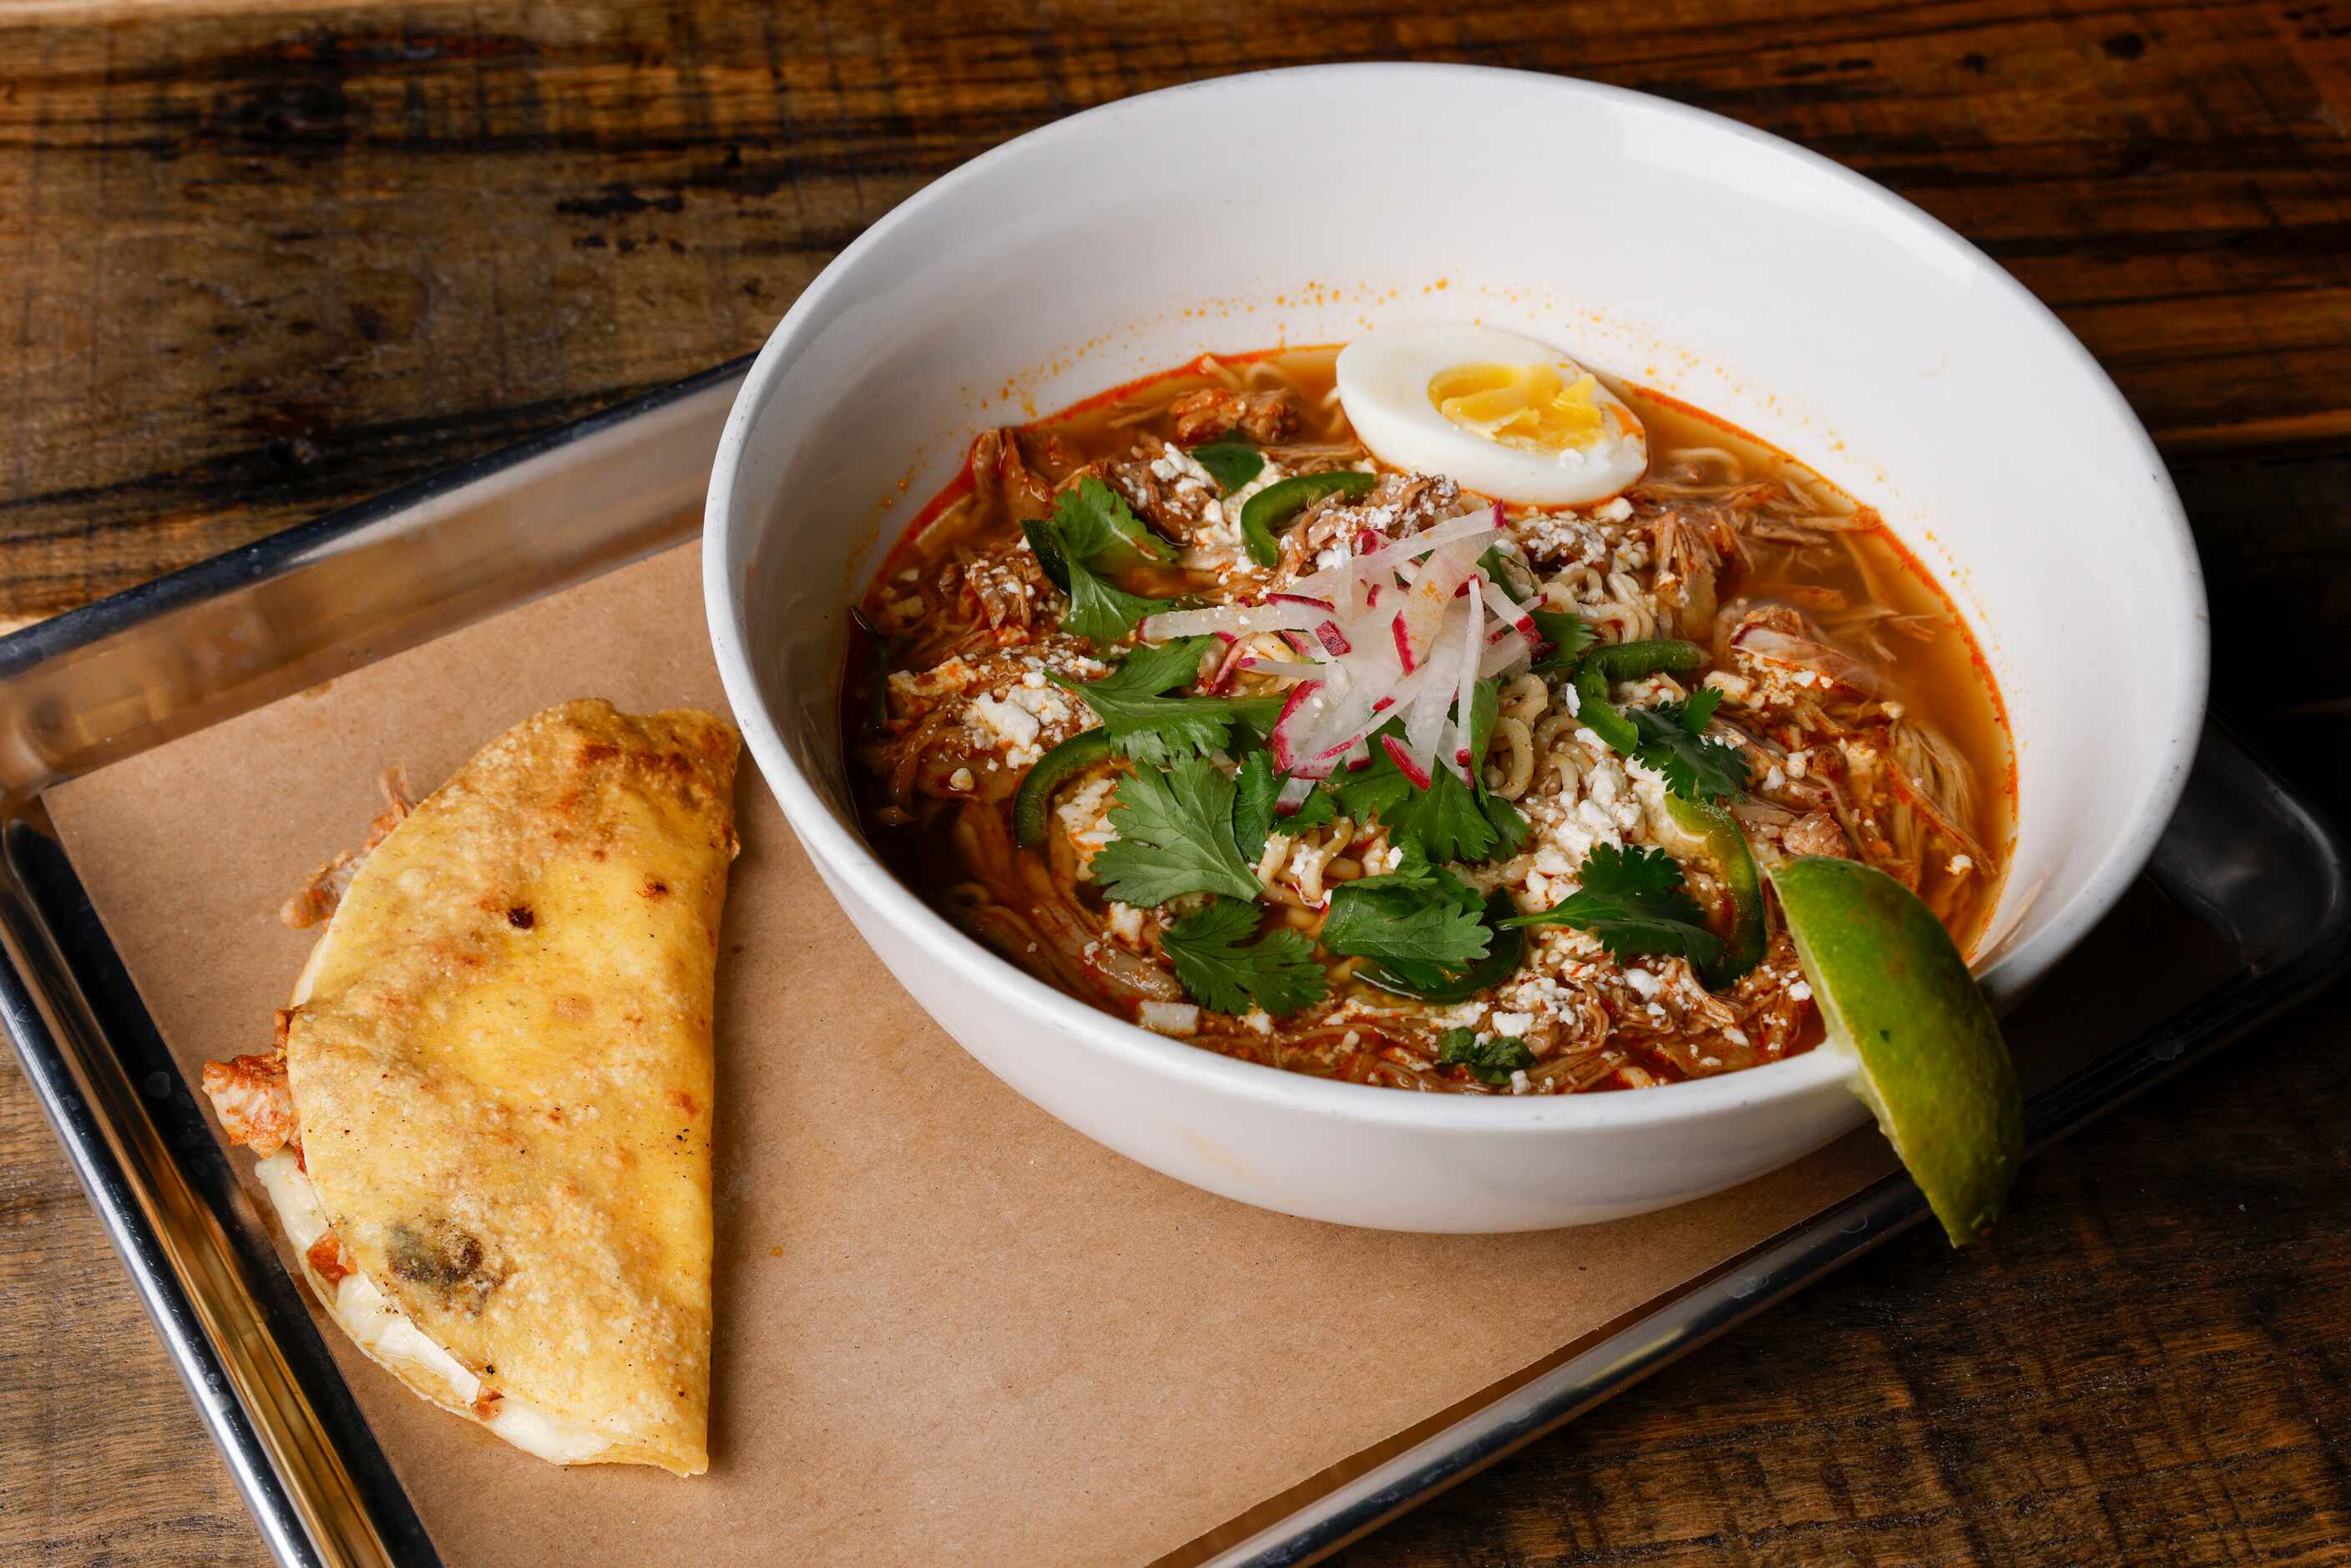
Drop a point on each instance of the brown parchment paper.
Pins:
(948, 1328)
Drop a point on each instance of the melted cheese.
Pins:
(377, 1328)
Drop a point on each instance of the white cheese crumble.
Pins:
(1175, 1018)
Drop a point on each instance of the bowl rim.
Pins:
(845, 855)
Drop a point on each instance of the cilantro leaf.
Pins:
(1416, 914)
(1278, 972)
(1491, 1059)
(1632, 901)
(1256, 813)
(1672, 742)
(1092, 523)
(1570, 636)
(1254, 789)
(1174, 837)
(1317, 811)
(1232, 462)
(1100, 611)
(1449, 821)
(1154, 729)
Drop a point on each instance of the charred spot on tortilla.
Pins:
(461, 1143)
(442, 1258)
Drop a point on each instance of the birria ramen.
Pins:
(1420, 713)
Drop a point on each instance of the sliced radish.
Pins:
(1465, 690)
(1510, 612)
(1323, 604)
(1452, 755)
(1239, 619)
(1504, 651)
(1424, 610)
(1234, 657)
(1281, 669)
(1294, 711)
(1479, 525)
(1407, 764)
(1293, 795)
(1334, 641)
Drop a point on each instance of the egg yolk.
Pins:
(1530, 407)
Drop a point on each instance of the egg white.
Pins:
(1383, 386)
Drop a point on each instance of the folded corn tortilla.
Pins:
(486, 1126)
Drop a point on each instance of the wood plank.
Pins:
(260, 261)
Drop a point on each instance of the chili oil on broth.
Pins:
(937, 806)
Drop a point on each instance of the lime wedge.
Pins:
(1894, 993)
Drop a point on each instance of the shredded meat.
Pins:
(1006, 588)
(1001, 477)
(250, 1096)
(1264, 417)
(318, 898)
(1179, 507)
(329, 1261)
(1398, 505)
(1817, 834)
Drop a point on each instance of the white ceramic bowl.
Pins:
(1680, 250)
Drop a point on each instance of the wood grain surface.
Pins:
(258, 262)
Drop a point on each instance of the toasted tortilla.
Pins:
(500, 1070)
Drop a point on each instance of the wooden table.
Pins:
(256, 265)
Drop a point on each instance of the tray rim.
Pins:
(324, 1514)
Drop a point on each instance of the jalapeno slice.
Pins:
(1598, 715)
(1631, 661)
(1724, 844)
(1049, 772)
(1280, 500)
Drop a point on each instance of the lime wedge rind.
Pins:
(1896, 998)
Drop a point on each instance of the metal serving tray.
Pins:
(2249, 878)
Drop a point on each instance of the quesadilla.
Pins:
(486, 1120)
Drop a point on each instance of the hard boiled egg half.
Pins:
(1500, 414)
